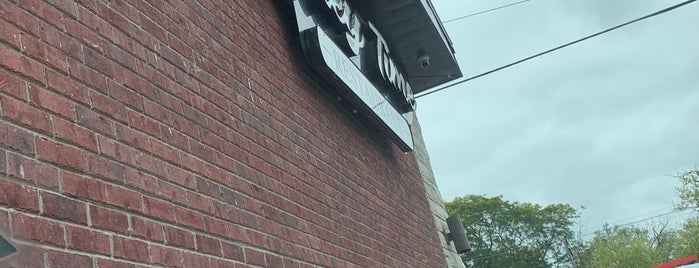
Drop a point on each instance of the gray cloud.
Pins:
(600, 124)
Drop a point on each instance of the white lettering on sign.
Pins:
(356, 40)
(389, 70)
(350, 20)
(364, 90)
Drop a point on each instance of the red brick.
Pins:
(109, 107)
(164, 151)
(220, 263)
(62, 208)
(26, 256)
(95, 121)
(27, 169)
(125, 95)
(52, 102)
(133, 138)
(130, 249)
(189, 218)
(143, 123)
(14, 61)
(67, 87)
(255, 257)
(75, 134)
(24, 114)
(123, 198)
(104, 263)
(3, 161)
(65, 259)
(140, 180)
(159, 209)
(42, 10)
(172, 192)
(232, 251)
(37, 229)
(83, 187)
(44, 53)
(59, 154)
(179, 237)
(288, 263)
(273, 260)
(209, 245)
(16, 138)
(11, 84)
(18, 196)
(91, 20)
(104, 168)
(169, 257)
(87, 240)
(107, 219)
(82, 33)
(193, 260)
(181, 177)
(146, 229)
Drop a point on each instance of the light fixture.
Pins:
(457, 234)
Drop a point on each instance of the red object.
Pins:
(677, 263)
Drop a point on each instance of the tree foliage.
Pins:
(631, 247)
(512, 234)
(689, 190)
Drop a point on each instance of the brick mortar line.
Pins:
(204, 113)
(113, 234)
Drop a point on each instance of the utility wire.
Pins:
(642, 220)
(485, 11)
(556, 48)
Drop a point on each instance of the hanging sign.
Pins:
(351, 53)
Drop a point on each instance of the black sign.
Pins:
(351, 53)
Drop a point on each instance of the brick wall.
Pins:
(190, 134)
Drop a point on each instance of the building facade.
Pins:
(200, 134)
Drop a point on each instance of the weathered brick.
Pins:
(18, 196)
(130, 249)
(62, 208)
(37, 229)
(193, 260)
(26, 256)
(64, 85)
(166, 256)
(107, 219)
(178, 237)
(95, 121)
(65, 259)
(255, 257)
(44, 53)
(87, 240)
(109, 107)
(74, 134)
(16, 138)
(59, 154)
(83, 187)
(123, 198)
(104, 168)
(13, 60)
(105, 263)
(25, 114)
(189, 218)
(209, 245)
(159, 209)
(11, 84)
(232, 251)
(147, 229)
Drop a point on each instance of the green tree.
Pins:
(511, 234)
(689, 190)
(631, 247)
(689, 237)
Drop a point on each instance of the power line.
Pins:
(556, 48)
(485, 11)
(642, 220)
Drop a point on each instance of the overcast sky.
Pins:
(602, 124)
